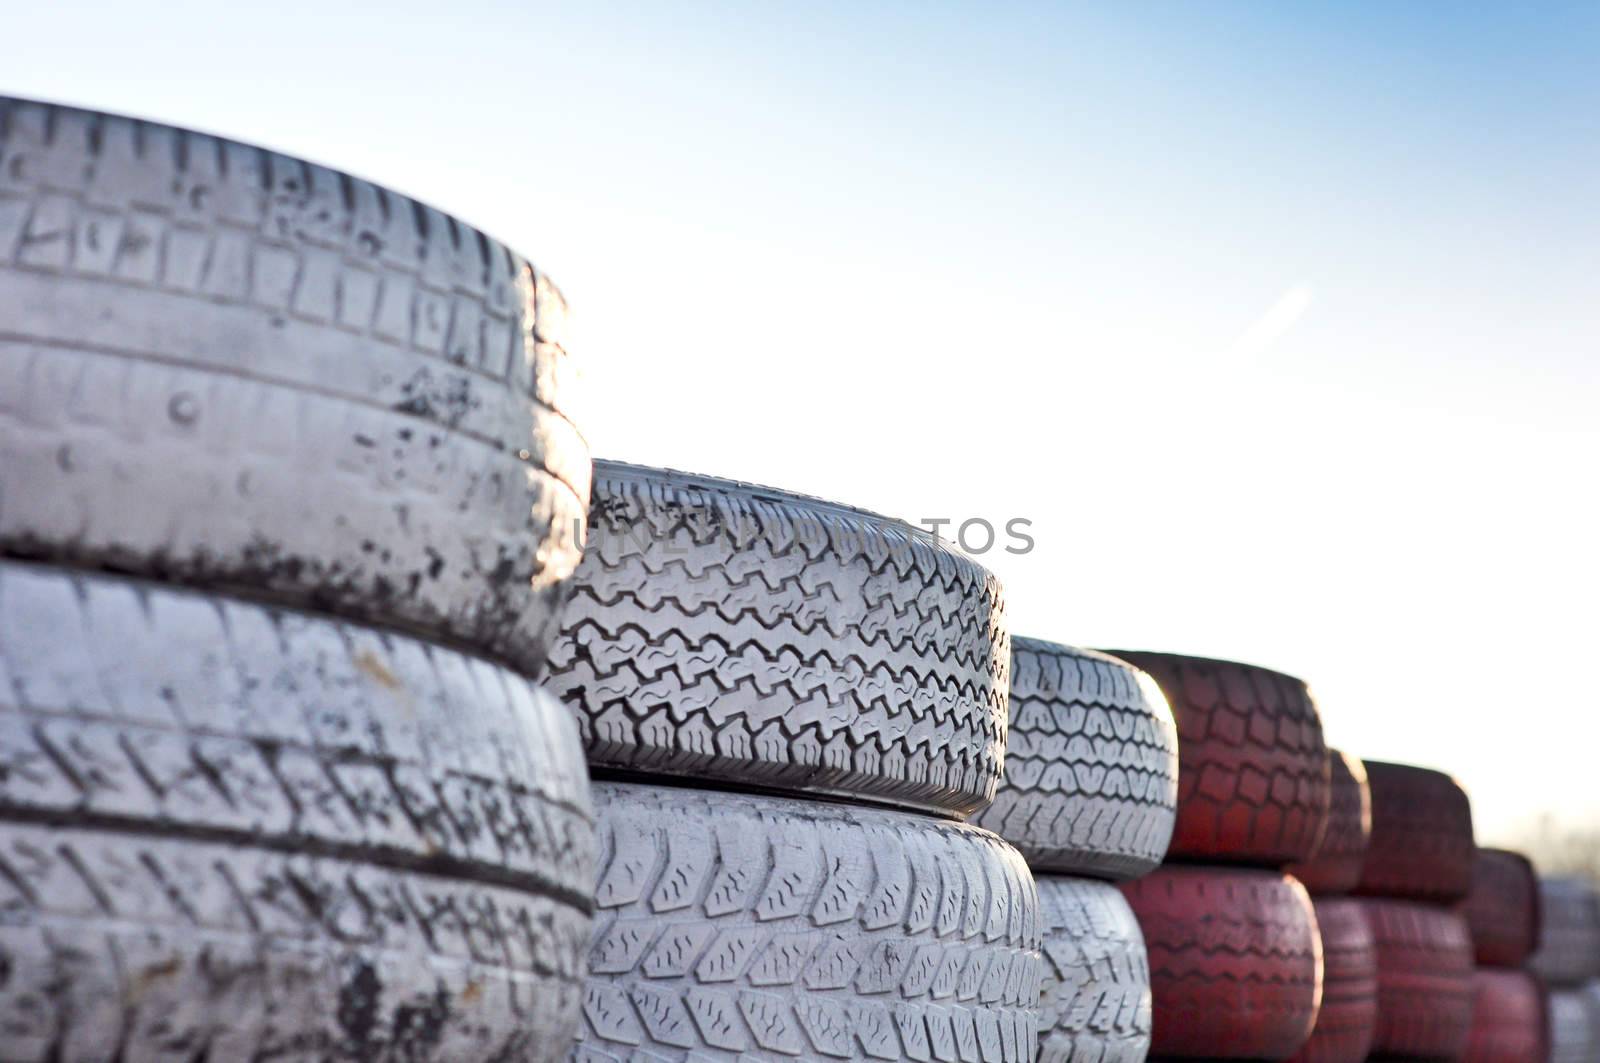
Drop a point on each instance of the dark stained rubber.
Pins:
(1509, 1019)
(1424, 979)
(1253, 768)
(1337, 866)
(1235, 963)
(1348, 1017)
(1421, 846)
(1502, 909)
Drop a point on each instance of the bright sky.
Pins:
(1281, 324)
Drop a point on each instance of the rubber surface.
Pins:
(1096, 1002)
(1424, 979)
(1574, 1025)
(1253, 775)
(1509, 1020)
(1569, 938)
(229, 368)
(233, 832)
(1348, 1018)
(744, 635)
(738, 927)
(1422, 845)
(1336, 868)
(1235, 961)
(1091, 776)
(1502, 909)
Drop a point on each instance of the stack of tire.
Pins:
(1348, 1017)
(1089, 796)
(788, 707)
(1418, 866)
(1235, 959)
(287, 497)
(1568, 962)
(1509, 1008)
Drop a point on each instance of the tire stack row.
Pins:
(288, 494)
(788, 706)
(1568, 962)
(1089, 798)
(1235, 959)
(1418, 866)
(1509, 1005)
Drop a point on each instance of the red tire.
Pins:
(1424, 979)
(1235, 962)
(1348, 1018)
(1502, 909)
(1337, 866)
(1252, 766)
(1421, 846)
(1508, 1019)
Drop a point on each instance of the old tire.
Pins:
(746, 636)
(1569, 936)
(1422, 845)
(1502, 908)
(235, 832)
(1424, 979)
(1096, 999)
(1574, 1025)
(1235, 961)
(225, 367)
(1509, 1021)
(1348, 1017)
(1253, 769)
(733, 927)
(1336, 867)
(1091, 778)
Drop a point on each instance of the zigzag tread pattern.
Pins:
(1253, 784)
(1091, 770)
(365, 409)
(773, 640)
(756, 928)
(168, 713)
(1235, 960)
(1096, 1000)
(118, 947)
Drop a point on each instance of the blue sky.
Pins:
(1280, 323)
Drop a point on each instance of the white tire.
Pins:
(734, 633)
(1091, 779)
(1096, 1002)
(733, 927)
(234, 832)
(225, 367)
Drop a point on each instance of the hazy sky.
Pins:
(1281, 324)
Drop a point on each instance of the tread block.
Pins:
(1253, 782)
(723, 630)
(1091, 770)
(825, 973)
